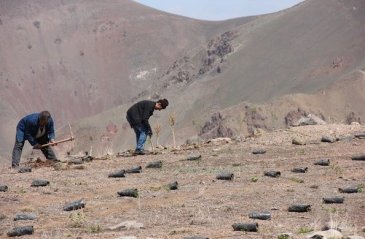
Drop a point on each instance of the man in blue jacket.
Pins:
(38, 129)
(138, 115)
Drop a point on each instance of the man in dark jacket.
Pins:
(138, 116)
(38, 129)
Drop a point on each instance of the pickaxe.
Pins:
(60, 141)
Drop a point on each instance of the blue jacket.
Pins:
(27, 129)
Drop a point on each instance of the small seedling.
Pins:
(297, 180)
(254, 179)
(96, 228)
(77, 219)
(284, 236)
(304, 230)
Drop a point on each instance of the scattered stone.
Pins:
(246, 227)
(225, 176)
(332, 200)
(25, 170)
(360, 135)
(309, 119)
(129, 193)
(157, 164)
(350, 189)
(25, 216)
(273, 174)
(135, 169)
(359, 157)
(328, 139)
(2, 217)
(322, 162)
(74, 205)
(298, 141)
(194, 157)
(61, 166)
(21, 231)
(172, 186)
(127, 225)
(345, 138)
(118, 174)
(332, 234)
(39, 183)
(259, 151)
(260, 215)
(76, 161)
(299, 208)
(3, 188)
(355, 237)
(300, 170)
(196, 237)
(79, 167)
(219, 141)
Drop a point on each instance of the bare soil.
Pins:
(202, 205)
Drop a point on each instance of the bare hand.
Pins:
(53, 142)
(37, 146)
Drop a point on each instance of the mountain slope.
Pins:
(79, 58)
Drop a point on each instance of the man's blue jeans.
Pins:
(141, 136)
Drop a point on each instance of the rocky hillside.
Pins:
(79, 58)
(198, 190)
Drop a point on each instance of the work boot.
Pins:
(139, 152)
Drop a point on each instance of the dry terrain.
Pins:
(202, 205)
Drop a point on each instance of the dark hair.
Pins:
(44, 115)
(163, 102)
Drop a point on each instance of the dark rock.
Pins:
(194, 157)
(157, 164)
(3, 188)
(360, 135)
(351, 189)
(328, 139)
(25, 170)
(25, 216)
(322, 162)
(300, 170)
(260, 215)
(39, 183)
(74, 205)
(87, 158)
(331, 200)
(135, 169)
(118, 174)
(299, 208)
(225, 176)
(129, 193)
(173, 186)
(76, 161)
(359, 157)
(259, 151)
(273, 174)
(21, 231)
(246, 227)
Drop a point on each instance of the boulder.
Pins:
(40, 183)
(246, 227)
(259, 151)
(329, 234)
(328, 139)
(129, 193)
(273, 174)
(74, 205)
(25, 216)
(3, 188)
(156, 164)
(21, 231)
(299, 208)
(225, 176)
(298, 141)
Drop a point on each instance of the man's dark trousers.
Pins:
(18, 147)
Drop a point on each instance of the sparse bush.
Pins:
(297, 180)
(172, 122)
(254, 179)
(157, 130)
(304, 230)
(96, 228)
(77, 219)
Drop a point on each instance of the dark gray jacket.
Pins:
(139, 113)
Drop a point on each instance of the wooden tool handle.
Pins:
(58, 142)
